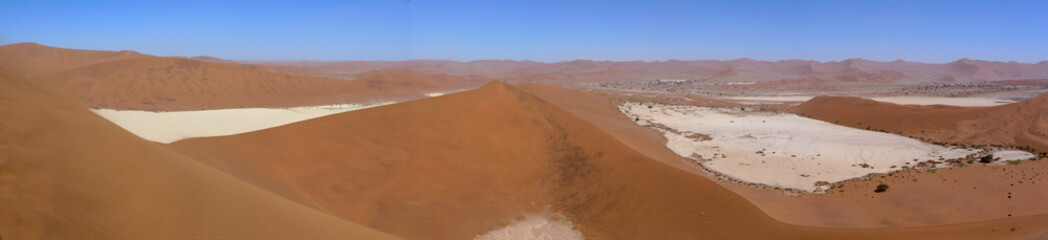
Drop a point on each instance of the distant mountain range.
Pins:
(740, 70)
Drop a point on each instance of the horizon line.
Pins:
(528, 60)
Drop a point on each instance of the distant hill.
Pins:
(44, 60)
(742, 70)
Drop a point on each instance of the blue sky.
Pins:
(547, 31)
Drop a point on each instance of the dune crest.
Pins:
(168, 84)
(33, 60)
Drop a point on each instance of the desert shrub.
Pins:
(881, 188)
(986, 159)
(1014, 162)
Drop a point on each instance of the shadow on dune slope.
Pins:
(66, 173)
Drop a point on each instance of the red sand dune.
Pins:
(32, 60)
(66, 173)
(182, 84)
(1022, 123)
(456, 166)
(449, 167)
(129, 80)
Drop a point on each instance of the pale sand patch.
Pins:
(168, 127)
(959, 101)
(438, 94)
(914, 100)
(782, 149)
(1011, 155)
(754, 100)
(538, 227)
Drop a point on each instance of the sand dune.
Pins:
(949, 101)
(182, 84)
(131, 81)
(32, 60)
(1022, 123)
(461, 165)
(66, 173)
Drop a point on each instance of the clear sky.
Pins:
(541, 30)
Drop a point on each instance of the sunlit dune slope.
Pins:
(33, 60)
(184, 84)
(456, 166)
(66, 173)
(1022, 123)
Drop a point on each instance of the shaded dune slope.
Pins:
(1022, 123)
(182, 84)
(66, 173)
(456, 166)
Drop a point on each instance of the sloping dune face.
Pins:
(128, 80)
(32, 60)
(461, 165)
(183, 84)
(66, 173)
(1023, 123)
(457, 166)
